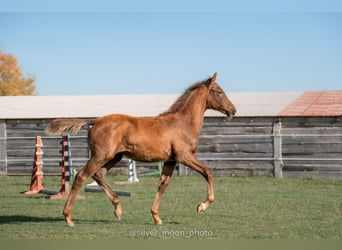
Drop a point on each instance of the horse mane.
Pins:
(185, 97)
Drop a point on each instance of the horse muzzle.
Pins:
(230, 113)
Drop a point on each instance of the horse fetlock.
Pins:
(157, 220)
(69, 222)
(118, 211)
(156, 217)
(211, 199)
(67, 217)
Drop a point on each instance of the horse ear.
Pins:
(213, 78)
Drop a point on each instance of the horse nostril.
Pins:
(234, 111)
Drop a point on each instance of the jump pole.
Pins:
(132, 171)
(36, 185)
(66, 169)
(118, 192)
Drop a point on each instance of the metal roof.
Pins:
(30, 107)
(316, 103)
(262, 104)
(82, 106)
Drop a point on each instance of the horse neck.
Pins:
(193, 109)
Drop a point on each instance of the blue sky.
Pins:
(162, 49)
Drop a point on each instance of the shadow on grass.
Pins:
(14, 219)
(17, 219)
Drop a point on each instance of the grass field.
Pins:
(245, 208)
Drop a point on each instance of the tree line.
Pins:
(12, 80)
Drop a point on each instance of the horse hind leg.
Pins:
(163, 183)
(89, 169)
(99, 177)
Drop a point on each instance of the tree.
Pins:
(12, 80)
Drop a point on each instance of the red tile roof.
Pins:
(318, 103)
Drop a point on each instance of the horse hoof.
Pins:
(201, 207)
(159, 222)
(118, 215)
(70, 224)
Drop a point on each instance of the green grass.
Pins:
(245, 208)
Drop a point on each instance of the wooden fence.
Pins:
(308, 147)
(281, 147)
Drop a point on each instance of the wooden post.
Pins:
(277, 149)
(3, 147)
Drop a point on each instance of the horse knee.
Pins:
(211, 198)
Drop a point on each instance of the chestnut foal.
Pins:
(171, 137)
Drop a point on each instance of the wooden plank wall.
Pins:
(21, 147)
(229, 147)
(315, 140)
(282, 147)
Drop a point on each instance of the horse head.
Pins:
(217, 98)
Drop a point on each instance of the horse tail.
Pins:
(60, 126)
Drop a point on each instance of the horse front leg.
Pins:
(164, 180)
(192, 162)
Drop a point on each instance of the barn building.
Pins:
(294, 134)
